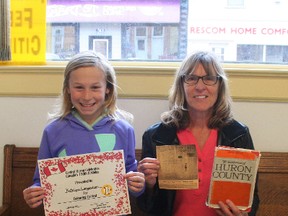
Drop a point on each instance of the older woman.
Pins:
(200, 114)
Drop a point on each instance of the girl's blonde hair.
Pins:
(88, 59)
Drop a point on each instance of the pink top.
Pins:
(192, 202)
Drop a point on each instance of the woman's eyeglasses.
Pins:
(207, 80)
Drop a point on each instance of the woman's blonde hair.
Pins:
(178, 113)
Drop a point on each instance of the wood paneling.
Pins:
(19, 165)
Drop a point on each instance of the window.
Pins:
(250, 53)
(277, 54)
(262, 53)
(180, 28)
(219, 51)
(158, 31)
(63, 39)
(150, 37)
(235, 3)
(130, 26)
(141, 32)
(166, 30)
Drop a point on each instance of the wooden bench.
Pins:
(19, 165)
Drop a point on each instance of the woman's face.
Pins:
(87, 89)
(201, 98)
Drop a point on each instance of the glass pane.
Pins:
(166, 30)
(62, 40)
(158, 31)
(120, 29)
(277, 54)
(141, 31)
(235, 3)
(250, 53)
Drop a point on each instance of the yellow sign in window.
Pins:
(28, 31)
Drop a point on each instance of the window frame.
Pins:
(262, 82)
(247, 82)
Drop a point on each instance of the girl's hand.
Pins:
(136, 181)
(150, 168)
(229, 209)
(33, 196)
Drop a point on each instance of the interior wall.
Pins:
(22, 120)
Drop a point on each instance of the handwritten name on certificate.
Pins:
(86, 184)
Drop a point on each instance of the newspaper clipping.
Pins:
(178, 167)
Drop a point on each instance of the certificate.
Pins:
(86, 184)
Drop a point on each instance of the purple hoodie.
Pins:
(71, 136)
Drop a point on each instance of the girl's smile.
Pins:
(87, 89)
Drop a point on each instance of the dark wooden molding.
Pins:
(273, 162)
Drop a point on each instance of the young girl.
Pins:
(88, 121)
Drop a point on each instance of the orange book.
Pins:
(233, 176)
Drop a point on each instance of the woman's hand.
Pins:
(150, 168)
(229, 209)
(33, 196)
(136, 181)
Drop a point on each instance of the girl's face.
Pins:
(200, 97)
(87, 89)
